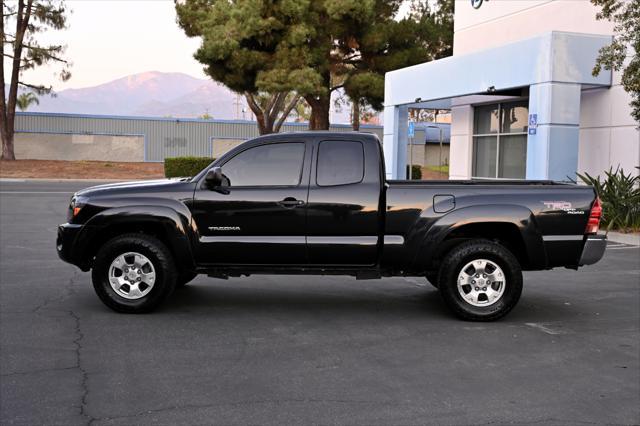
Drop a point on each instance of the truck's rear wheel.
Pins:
(133, 273)
(480, 280)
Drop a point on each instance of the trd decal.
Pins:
(562, 205)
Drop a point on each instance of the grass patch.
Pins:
(439, 169)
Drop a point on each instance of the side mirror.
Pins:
(214, 177)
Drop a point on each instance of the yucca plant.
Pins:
(620, 196)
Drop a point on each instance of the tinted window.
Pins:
(339, 163)
(266, 165)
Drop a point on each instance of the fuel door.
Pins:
(443, 203)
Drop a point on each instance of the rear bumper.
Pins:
(593, 250)
(65, 242)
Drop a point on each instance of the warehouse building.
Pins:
(524, 102)
(51, 136)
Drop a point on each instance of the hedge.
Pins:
(185, 166)
(416, 172)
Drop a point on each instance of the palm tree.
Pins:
(25, 100)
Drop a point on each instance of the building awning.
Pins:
(558, 57)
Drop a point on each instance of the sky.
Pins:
(109, 39)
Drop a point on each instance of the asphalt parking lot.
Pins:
(302, 350)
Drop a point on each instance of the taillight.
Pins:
(593, 224)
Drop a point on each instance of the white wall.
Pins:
(498, 22)
(608, 134)
(62, 146)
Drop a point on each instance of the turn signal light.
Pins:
(593, 224)
(76, 210)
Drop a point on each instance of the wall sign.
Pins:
(533, 124)
(412, 129)
(476, 4)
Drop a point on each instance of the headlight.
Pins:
(76, 204)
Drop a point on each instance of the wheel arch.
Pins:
(163, 223)
(511, 225)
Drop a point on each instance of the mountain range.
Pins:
(155, 94)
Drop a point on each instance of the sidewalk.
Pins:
(80, 170)
(618, 237)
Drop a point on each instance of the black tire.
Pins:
(432, 278)
(155, 251)
(458, 258)
(184, 278)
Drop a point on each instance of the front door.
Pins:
(259, 218)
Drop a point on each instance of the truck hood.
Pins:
(141, 187)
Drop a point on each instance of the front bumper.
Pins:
(65, 242)
(593, 250)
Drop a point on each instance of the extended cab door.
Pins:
(343, 206)
(259, 218)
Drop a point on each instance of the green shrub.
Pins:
(185, 166)
(416, 172)
(620, 196)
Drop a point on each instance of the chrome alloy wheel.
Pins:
(132, 275)
(481, 282)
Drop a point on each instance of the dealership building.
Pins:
(524, 103)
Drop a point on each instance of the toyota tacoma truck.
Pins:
(319, 203)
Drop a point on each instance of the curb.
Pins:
(619, 237)
(67, 180)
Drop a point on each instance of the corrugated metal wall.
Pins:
(164, 137)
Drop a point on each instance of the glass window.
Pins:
(277, 164)
(515, 117)
(503, 154)
(340, 163)
(486, 119)
(484, 156)
(513, 157)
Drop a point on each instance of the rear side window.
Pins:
(340, 163)
(278, 164)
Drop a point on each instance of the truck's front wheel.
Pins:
(480, 280)
(133, 273)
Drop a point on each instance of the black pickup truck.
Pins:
(319, 203)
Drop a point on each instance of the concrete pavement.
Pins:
(301, 350)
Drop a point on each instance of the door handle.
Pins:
(291, 202)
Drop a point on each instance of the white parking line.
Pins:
(545, 328)
(415, 282)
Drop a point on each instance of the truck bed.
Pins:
(551, 215)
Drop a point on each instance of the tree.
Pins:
(271, 110)
(210, 19)
(20, 24)
(624, 51)
(206, 116)
(25, 100)
(387, 44)
(310, 47)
